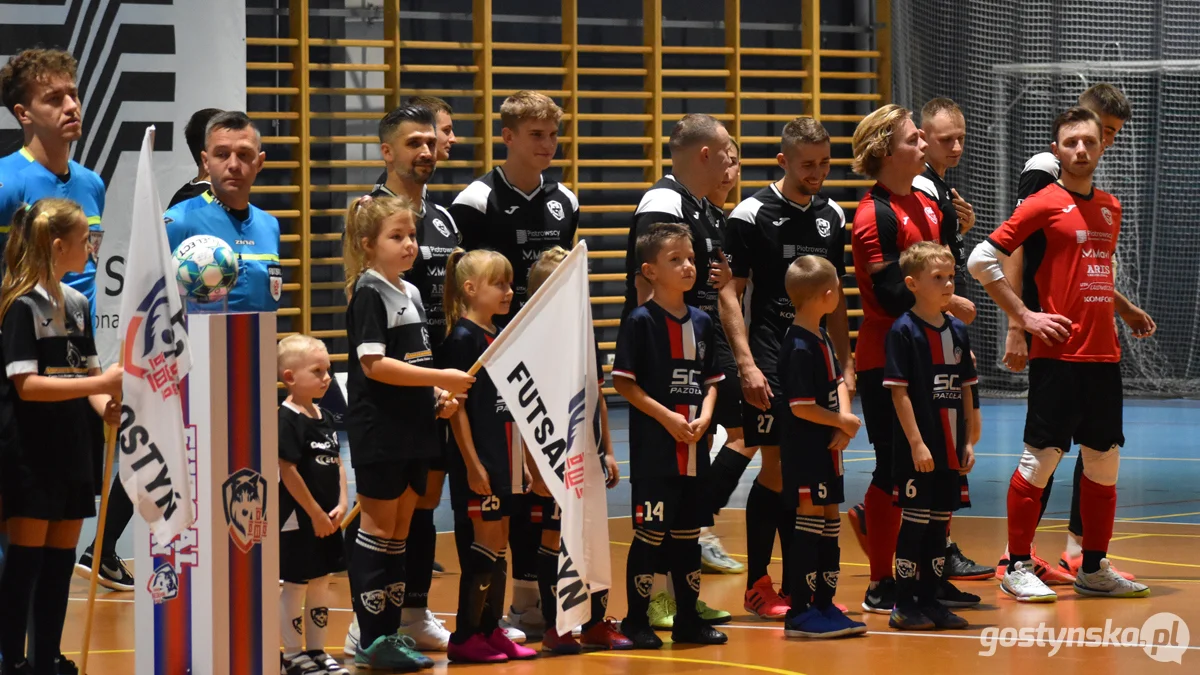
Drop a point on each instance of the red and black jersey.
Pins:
(1069, 241)
(885, 224)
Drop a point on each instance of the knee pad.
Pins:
(1101, 466)
(1037, 464)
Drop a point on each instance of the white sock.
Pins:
(660, 585)
(291, 618)
(525, 595)
(316, 612)
(670, 585)
(1074, 546)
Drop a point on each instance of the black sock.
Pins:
(933, 561)
(910, 546)
(494, 608)
(762, 505)
(422, 538)
(1076, 524)
(1091, 560)
(524, 538)
(683, 551)
(21, 570)
(396, 584)
(724, 476)
(50, 598)
(829, 564)
(478, 567)
(1046, 497)
(599, 608)
(785, 526)
(120, 512)
(804, 560)
(369, 568)
(639, 573)
(548, 584)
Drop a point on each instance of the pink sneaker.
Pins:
(500, 642)
(477, 649)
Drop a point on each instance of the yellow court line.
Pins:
(1152, 562)
(1165, 515)
(101, 651)
(702, 662)
(1129, 536)
(1170, 581)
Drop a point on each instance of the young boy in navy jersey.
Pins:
(812, 439)
(666, 368)
(930, 374)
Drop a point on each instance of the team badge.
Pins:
(275, 273)
(700, 349)
(244, 496)
(1108, 217)
(556, 210)
(74, 356)
(958, 354)
(931, 215)
(79, 321)
(831, 578)
(643, 583)
(441, 227)
(163, 584)
(395, 593)
(298, 625)
(811, 580)
(939, 564)
(906, 569)
(693, 579)
(374, 601)
(823, 227)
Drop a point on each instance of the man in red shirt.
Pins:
(1074, 370)
(891, 217)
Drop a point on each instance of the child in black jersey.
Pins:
(395, 397)
(52, 375)
(487, 462)
(311, 505)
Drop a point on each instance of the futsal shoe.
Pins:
(328, 664)
(605, 635)
(950, 596)
(698, 634)
(812, 623)
(300, 664)
(560, 646)
(762, 601)
(438, 570)
(714, 559)
(1070, 565)
(65, 666)
(475, 650)
(114, 575)
(531, 622)
(515, 652)
(427, 632)
(710, 616)
(641, 635)
(837, 614)
(1024, 585)
(1049, 574)
(1108, 583)
(662, 611)
(388, 652)
(512, 632)
(942, 618)
(961, 568)
(350, 648)
(909, 618)
(22, 668)
(857, 515)
(882, 598)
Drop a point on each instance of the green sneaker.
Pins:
(662, 612)
(710, 616)
(390, 652)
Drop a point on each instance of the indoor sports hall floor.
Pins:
(1157, 536)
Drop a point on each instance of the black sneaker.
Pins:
(699, 634)
(438, 570)
(882, 598)
(22, 668)
(114, 575)
(910, 618)
(642, 636)
(65, 666)
(942, 618)
(949, 596)
(961, 568)
(301, 664)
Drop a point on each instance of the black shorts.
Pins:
(488, 508)
(674, 503)
(762, 426)
(544, 511)
(440, 462)
(939, 490)
(728, 411)
(389, 480)
(964, 492)
(1080, 402)
(815, 474)
(303, 556)
(32, 494)
(879, 415)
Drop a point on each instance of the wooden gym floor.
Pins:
(1157, 537)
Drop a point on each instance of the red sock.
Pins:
(1024, 505)
(1098, 506)
(883, 525)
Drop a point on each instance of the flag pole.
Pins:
(357, 506)
(110, 446)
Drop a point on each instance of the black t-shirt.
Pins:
(385, 422)
(492, 429)
(673, 360)
(767, 232)
(437, 237)
(312, 445)
(811, 376)
(491, 213)
(190, 189)
(41, 337)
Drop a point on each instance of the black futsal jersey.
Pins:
(437, 237)
(672, 359)
(810, 375)
(311, 444)
(767, 233)
(934, 363)
(492, 213)
(497, 440)
(387, 423)
(938, 190)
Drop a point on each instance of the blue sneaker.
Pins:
(838, 617)
(812, 623)
(388, 652)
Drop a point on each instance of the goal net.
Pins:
(1013, 67)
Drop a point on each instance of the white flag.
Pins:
(156, 357)
(544, 366)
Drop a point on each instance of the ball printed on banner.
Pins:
(205, 267)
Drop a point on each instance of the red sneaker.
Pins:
(605, 635)
(515, 652)
(762, 600)
(562, 645)
(1071, 566)
(857, 515)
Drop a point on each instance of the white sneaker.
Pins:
(1107, 583)
(428, 632)
(512, 632)
(1025, 586)
(352, 635)
(531, 621)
